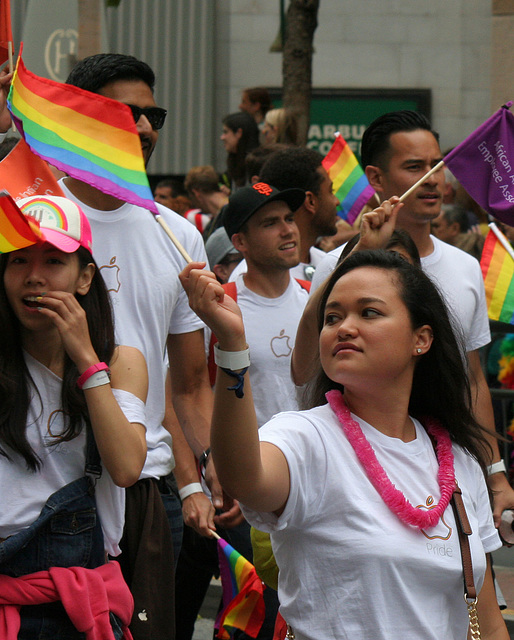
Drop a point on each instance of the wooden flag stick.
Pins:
(173, 238)
(504, 242)
(438, 166)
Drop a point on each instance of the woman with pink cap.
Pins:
(72, 421)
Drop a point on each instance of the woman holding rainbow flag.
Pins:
(358, 490)
(68, 398)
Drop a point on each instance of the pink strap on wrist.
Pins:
(99, 366)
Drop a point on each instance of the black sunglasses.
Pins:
(155, 115)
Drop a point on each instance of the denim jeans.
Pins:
(67, 533)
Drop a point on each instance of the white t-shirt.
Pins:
(458, 277)
(316, 255)
(270, 327)
(140, 266)
(349, 568)
(24, 493)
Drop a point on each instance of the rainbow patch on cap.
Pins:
(47, 213)
(61, 220)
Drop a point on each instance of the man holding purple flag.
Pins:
(400, 152)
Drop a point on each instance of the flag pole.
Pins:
(503, 240)
(438, 166)
(173, 238)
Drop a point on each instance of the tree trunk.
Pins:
(90, 40)
(301, 23)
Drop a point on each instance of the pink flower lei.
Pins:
(394, 498)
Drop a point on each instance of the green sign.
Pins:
(350, 111)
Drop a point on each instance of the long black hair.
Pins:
(440, 386)
(248, 141)
(15, 380)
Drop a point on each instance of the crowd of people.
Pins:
(333, 401)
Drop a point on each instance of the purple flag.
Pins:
(484, 164)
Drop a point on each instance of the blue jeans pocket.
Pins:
(69, 539)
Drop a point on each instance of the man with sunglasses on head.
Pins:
(140, 265)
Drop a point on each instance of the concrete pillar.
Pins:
(502, 49)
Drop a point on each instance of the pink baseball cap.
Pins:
(63, 223)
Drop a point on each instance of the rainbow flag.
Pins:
(89, 136)
(17, 231)
(350, 183)
(498, 272)
(243, 603)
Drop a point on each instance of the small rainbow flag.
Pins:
(89, 136)
(17, 231)
(350, 183)
(498, 272)
(243, 603)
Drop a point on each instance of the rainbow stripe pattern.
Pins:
(243, 603)
(16, 230)
(498, 272)
(350, 183)
(90, 137)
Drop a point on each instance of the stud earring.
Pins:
(418, 350)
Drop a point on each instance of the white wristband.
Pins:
(98, 379)
(189, 489)
(496, 467)
(233, 360)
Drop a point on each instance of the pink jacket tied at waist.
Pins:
(86, 594)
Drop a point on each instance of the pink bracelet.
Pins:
(99, 366)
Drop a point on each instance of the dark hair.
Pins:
(248, 141)
(176, 186)
(94, 72)
(376, 139)
(455, 213)
(7, 145)
(256, 159)
(293, 167)
(260, 95)
(440, 387)
(399, 238)
(15, 380)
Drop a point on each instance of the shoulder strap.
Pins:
(304, 284)
(464, 529)
(230, 290)
(93, 461)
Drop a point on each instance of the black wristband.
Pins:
(240, 377)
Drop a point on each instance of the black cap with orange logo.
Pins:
(248, 200)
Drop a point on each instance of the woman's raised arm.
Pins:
(253, 473)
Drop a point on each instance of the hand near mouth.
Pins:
(70, 320)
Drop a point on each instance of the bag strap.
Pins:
(304, 284)
(464, 530)
(93, 467)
